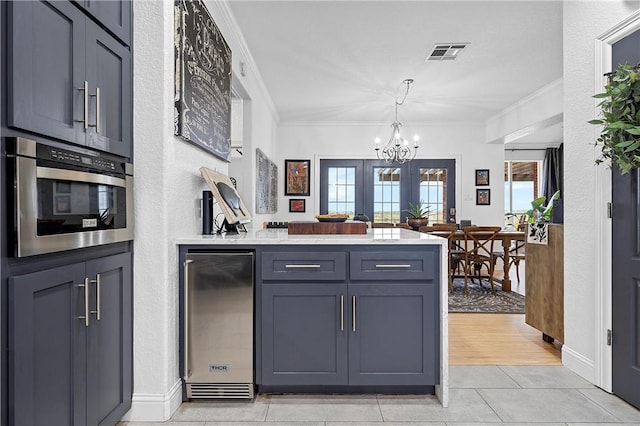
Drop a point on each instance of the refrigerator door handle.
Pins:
(186, 319)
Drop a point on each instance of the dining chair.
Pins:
(455, 252)
(478, 245)
(516, 254)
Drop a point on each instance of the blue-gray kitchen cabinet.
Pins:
(304, 338)
(115, 15)
(350, 317)
(69, 79)
(393, 334)
(65, 368)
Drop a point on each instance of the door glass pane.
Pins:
(386, 194)
(342, 190)
(433, 188)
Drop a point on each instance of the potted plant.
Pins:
(620, 119)
(418, 215)
(539, 216)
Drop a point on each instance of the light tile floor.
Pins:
(509, 395)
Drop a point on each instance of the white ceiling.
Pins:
(344, 61)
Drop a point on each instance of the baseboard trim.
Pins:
(578, 363)
(151, 407)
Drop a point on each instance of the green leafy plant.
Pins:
(620, 119)
(418, 210)
(539, 212)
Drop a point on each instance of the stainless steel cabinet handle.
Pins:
(97, 110)
(186, 319)
(353, 313)
(85, 114)
(393, 266)
(85, 317)
(97, 96)
(302, 266)
(341, 313)
(97, 282)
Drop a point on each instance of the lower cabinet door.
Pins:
(304, 334)
(394, 340)
(109, 341)
(47, 340)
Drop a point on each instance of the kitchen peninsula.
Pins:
(342, 313)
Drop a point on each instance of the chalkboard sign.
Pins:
(203, 80)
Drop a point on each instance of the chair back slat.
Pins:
(478, 240)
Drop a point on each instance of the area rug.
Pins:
(482, 300)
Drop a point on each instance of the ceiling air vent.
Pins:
(446, 51)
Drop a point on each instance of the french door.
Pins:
(382, 191)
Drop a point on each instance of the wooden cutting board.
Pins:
(304, 228)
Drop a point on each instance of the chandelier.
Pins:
(397, 150)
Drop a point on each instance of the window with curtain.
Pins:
(521, 186)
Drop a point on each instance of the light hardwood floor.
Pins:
(498, 339)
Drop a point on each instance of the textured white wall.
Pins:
(583, 22)
(464, 142)
(167, 188)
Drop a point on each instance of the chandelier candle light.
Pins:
(397, 150)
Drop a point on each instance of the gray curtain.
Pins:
(552, 179)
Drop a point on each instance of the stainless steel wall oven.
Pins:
(68, 198)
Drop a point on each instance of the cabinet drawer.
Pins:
(297, 266)
(393, 266)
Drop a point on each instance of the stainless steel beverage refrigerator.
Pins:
(218, 355)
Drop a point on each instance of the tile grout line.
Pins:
(379, 408)
(599, 405)
(509, 376)
(488, 405)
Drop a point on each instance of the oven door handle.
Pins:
(74, 175)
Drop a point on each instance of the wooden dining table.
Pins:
(506, 236)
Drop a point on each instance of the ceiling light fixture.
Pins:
(397, 150)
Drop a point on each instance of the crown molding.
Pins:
(229, 20)
(378, 123)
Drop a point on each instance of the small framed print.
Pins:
(297, 177)
(297, 205)
(483, 197)
(62, 204)
(482, 177)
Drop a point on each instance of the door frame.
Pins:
(603, 299)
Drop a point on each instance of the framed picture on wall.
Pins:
(483, 197)
(482, 177)
(297, 205)
(297, 177)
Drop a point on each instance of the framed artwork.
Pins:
(297, 205)
(297, 177)
(483, 197)
(482, 177)
(202, 113)
(266, 184)
(63, 204)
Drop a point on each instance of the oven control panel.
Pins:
(64, 156)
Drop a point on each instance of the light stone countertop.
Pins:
(280, 236)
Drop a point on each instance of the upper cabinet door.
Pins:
(46, 53)
(113, 14)
(108, 70)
